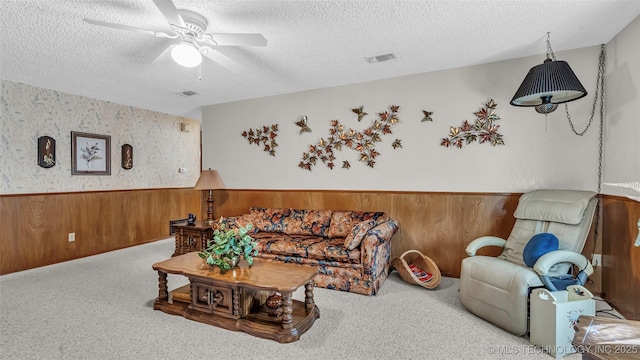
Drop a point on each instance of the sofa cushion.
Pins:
(341, 224)
(306, 246)
(343, 221)
(357, 233)
(334, 269)
(308, 222)
(269, 219)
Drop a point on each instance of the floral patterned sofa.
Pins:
(351, 249)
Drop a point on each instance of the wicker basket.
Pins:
(414, 258)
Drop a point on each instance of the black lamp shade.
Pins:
(552, 82)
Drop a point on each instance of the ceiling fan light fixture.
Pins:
(186, 54)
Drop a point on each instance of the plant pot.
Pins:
(233, 261)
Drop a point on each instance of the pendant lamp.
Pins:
(548, 84)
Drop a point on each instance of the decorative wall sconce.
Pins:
(46, 152)
(548, 84)
(127, 157)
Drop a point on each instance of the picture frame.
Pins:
(90, 154)
(127, 157)
(46, 152)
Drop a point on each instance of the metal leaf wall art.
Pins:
(265, 136)
(482, 130)
(364, 142)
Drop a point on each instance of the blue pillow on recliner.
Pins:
(538, 245)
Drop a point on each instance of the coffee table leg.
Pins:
(287, 318)
(308, 295)
(163, 291)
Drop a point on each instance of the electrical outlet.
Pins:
(596, 260)
(72, 237)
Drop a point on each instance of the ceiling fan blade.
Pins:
(221, 59)
(170, 12)
(235, 39)
(130, 28)
(164, 56)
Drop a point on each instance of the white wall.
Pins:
(622, 135)
(159, 148)
(537, 154)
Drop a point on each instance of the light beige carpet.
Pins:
(100, 308)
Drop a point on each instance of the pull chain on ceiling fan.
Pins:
(190, 28)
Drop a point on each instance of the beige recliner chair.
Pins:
(497, 288)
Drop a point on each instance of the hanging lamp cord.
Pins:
(599, 91)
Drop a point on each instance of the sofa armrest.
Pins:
(483, 241)
(376, 248)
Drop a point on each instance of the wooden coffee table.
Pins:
(237, 299)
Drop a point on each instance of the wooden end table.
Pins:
(602, 338)
(191, 238)
(236, 299)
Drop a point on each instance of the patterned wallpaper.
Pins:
(159, 147)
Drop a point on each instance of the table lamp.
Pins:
(209, 180)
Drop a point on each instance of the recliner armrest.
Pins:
(482, 242)
(546, 261)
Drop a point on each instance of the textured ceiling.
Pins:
(311, 44)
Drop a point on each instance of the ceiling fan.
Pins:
(190, 28)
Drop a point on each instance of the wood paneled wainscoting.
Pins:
(440, 225)
(620, 258)
(35, 227)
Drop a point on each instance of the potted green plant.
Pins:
(228, 246)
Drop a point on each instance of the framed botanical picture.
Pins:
(46, 152)
(90, 154)
(127, 157)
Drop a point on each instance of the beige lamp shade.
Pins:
(209, 179)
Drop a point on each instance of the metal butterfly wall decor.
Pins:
(427, 116)
(360, 112)
(267, 136)
(302, 123)
(482, 130)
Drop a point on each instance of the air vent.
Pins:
(380, 58)
(188, 93)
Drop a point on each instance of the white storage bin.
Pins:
(553, 315)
